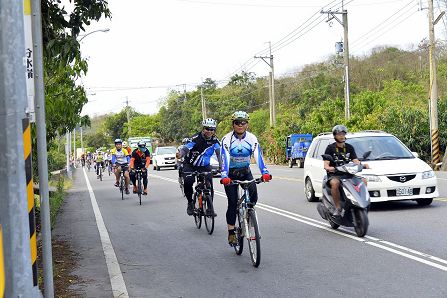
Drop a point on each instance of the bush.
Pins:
(56, 160)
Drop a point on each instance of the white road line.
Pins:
(116, 277)
(373, 241)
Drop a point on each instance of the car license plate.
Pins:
(404, 191)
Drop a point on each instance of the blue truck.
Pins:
(296, 148)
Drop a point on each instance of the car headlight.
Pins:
(372, 178)
(428, 174)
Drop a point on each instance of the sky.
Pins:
(154, 46)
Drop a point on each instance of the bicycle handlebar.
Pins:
(255, 180)
(196, 173)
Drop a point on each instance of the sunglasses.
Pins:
(210, 128)
(240, 122)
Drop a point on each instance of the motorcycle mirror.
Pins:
(366, 154)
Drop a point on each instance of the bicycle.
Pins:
(88, 165)
(139, 181)
(203, 201)
(99, 171)
(247, 223)
(121, 184)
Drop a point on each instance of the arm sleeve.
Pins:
(257, 153)
(225, 157)
(113, 159)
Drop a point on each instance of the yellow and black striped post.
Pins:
(30, 195)
(436, 157)
(2, 268)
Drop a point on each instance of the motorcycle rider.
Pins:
(342, 151)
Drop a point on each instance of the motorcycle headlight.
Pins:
(428, 174)
(372, 178)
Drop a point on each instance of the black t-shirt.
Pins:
(140, 158)
(347, 153)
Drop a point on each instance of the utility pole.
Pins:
(128, 116)
(434, 132)
(67, 152)
(271, 85)
(344, 23)
(203, 103)
(82, 142)
(74, 147)
(14, 202)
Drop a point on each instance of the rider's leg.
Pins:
(252, 189)
(232, 196)
(335, 184)
(127, 178)
(144, 174)
(117, 174)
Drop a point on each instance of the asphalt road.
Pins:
(162, 254)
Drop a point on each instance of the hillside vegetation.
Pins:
(389, 92)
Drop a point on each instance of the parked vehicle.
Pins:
(297, 146)
(354, 198)
(164, 157)
(395, 172)
(133, 142)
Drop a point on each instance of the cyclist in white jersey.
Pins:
(120, 162)
(237, 147)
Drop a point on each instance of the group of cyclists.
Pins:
(234, 152)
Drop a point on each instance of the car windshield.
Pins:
(166, 150)
(381, 147)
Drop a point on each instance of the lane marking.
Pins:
(116, 277)
(373, 241)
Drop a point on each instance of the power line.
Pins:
(385, 29)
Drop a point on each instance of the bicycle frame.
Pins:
(243, 201)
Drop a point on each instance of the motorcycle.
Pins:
(354, 197)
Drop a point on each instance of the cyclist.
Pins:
(197, 153)
(180, 160)
(109, 159)
(128, 148)
(83, 159)
(237, 148)
(99, 162)
(120, 162)
(341, 151)
(140, 159)
(89, 158)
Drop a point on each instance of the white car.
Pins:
(396, 173)
(164, 157)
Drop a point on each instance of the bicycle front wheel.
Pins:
(209, 213)
(254, 239)
(238, 230)
(122, 187)
(140, 189)
(197, 211)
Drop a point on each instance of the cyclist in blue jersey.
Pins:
(237, 147)
(197, 153)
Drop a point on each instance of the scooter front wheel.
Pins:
(361, 222)
(333, 224)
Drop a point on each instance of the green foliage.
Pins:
(144, 125)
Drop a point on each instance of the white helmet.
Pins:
(209, 122)
(124, 144)
(240, 115)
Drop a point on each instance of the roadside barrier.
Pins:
(30, 195)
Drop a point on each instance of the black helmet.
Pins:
(339, 128)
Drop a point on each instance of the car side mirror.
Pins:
(415, 154)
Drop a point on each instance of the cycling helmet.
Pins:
(209, 122)
(124, 143)
(339, 128)
(118, 141)
(240, 115)
(141, 144)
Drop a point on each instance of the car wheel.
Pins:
(176, 167)
(299, 163)
(309, 191)
(290, 163)
(424, 202)
(157, 168)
